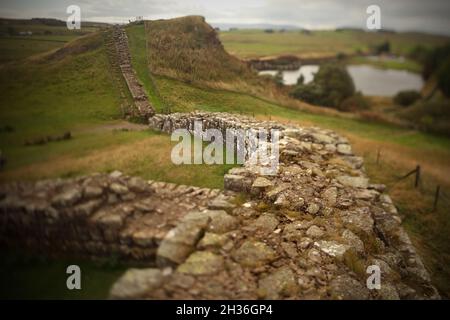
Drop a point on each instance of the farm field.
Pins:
(248, 44)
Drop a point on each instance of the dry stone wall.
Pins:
(98, 216)
(310, 231)
(307, 232)
(123, 56)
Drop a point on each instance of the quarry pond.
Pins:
(368, 79)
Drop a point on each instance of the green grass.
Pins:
(38, 29)
(137, 42)
(14, 47)
(41, 98)
(407, 65)
(428, 229)
(27, 276)
(257, 43)
(184, 97)
(48, 98)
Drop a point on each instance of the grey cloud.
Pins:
(431, 15)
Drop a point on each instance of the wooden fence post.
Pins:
(416, 184)
(378, 156)
(436, 197)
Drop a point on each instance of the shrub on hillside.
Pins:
(434, 59)
(443, 77)
(311, 93)
(357, 102)
(341, 56)
(384, 47)
(432, 116)
(419, 53)
(407, 97)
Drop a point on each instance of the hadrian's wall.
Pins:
(99, 216)
(309, 231)
(122, 57)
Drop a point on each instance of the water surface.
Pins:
(369, 80)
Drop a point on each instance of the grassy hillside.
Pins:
(188, 49)
(170, 53)
(257, 43)
(59, 90)
(72, 90)
(46, 35)
(137, 41)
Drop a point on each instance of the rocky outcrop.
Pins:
(123, 58)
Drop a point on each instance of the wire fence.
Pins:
(420, 182)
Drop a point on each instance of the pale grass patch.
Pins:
(148, 158)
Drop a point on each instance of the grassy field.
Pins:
(257, 43)
(16, 47)
(13, 49)
(407, 64)
(52, 98)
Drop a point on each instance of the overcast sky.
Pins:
(421, 15)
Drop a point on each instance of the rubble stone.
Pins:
(254, 254)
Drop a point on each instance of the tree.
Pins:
(443, 78)
(384, 47)
(433, 60)
(11, 31)
(407, 97)
(279, 78)
(336, 82)
(331, 86)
